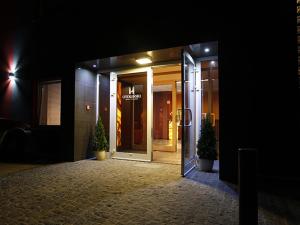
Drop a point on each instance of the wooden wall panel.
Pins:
(161, 114)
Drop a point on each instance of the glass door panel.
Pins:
(188, 114)
(132, 114)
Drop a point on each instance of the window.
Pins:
(49, 103)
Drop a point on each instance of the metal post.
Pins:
(247, 166)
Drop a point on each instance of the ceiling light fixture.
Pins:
(144, 60)
(206, 50)
(94, 65)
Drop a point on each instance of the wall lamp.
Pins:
(11, 76)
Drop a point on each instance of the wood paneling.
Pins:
(161, 114)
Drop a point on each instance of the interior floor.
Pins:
(160, 154)
(167, 157)
(163, 145)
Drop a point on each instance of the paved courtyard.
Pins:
(119, 192)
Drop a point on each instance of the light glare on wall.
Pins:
(11, 76)
(144, 60)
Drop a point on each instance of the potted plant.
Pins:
(206, 147)
(100, 144)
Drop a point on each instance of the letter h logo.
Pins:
(131, 90)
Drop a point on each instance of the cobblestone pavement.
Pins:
(118, 192)
(9, 168)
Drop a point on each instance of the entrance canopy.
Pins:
(157, 57)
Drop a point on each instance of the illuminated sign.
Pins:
(131, 95)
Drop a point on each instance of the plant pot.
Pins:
(205, 164)
(100, 155)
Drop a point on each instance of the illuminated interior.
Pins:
(166, 104)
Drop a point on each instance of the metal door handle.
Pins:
(190, 121)
(179, 117)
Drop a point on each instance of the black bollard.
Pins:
(247, 166)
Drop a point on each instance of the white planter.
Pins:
(205, 164)
(100, 155)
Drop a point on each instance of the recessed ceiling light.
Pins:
(94, 65)
(144, 60)
(206, 50)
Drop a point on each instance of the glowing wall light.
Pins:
(11, 76)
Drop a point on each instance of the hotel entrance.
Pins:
(151, 103)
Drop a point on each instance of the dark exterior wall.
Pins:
(15, 100)
(67, 111)
(104, 101)
(258, 87)
(17, 51)
(85, 94)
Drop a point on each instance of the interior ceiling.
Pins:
(169, 55)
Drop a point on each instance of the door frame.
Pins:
(185, 54)
(113, 115)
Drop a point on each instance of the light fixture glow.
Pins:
(94, 65)
(11, 76)
(144, 60)
(206, 50)
(213, 63)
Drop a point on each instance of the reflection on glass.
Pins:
(210, 93)
(132, 113)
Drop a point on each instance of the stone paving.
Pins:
(118, 192)
(9, 168)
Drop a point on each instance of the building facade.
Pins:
(257, 67)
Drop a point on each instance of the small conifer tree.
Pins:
(99, 141)
(206, 147)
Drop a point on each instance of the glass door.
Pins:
(131, 116)
(187, 123)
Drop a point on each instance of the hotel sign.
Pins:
(131, 95)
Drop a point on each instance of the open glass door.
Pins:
(188, 142)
